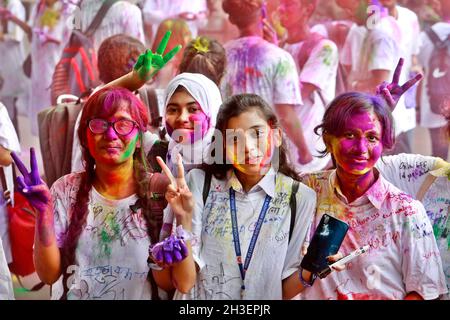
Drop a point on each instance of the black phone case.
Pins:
(326, 241)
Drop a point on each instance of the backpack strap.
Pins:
(206, 186)
(437, 42)
(99, 17)
(149, 97)
(307, 47)
(425, 186)
(293, 206)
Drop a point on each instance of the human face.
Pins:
(250, 142)
(359, 146)
(292, 13)
(185, 120)
(111, 148)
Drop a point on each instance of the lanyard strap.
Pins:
(237, 244)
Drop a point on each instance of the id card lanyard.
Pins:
(237, 244)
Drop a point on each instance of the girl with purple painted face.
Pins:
(357, 128)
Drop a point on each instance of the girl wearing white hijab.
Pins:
(192, 102)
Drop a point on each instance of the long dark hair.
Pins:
(104, 103)
(235, 106)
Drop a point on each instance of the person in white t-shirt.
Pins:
(408, 23)
(8, 142)
(248, 205)
(403, 261)
(426, 179)
(123, 17)
(316, 59)
(193, 11)
(13, 82)
(92, 234)
(257, 66)
(372, 50)
(49, 32)
(436, 123)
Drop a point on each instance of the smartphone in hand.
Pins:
(326, 241)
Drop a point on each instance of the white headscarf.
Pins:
(207, 95)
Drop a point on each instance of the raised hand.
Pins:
(391, 92)
(149, 63)
(31, 185)
(178, 194)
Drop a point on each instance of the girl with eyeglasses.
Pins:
(91, 239)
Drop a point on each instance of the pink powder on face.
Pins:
(358, 154)
(202, 120)
(200, 124)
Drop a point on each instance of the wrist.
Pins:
(306, 277)
(184, 222)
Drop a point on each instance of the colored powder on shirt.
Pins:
(109, 233)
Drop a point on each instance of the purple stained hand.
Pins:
(30, 183)
(169, 251)
(391, 92)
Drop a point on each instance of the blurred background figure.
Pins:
(194, 12)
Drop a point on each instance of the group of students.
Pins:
(243, 237)
(85, 224)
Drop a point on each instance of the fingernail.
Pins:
(25, 190)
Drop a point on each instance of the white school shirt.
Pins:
(45, 56)
(123, 17)
(13, 54)
(408, 173)
(377, 49)
(155, 11)
(6, 287)
(429, 119)
(403, 255)
(320, 70)
(273, 259)
(257, 66)
(409, 44)
(111, 255)
(9, 141)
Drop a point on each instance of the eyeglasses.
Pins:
(121, 127)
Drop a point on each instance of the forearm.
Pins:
(184, 273)
(47, 258)
(129, 81)
(5, 157)
(292, 285)
(23, 25)
(370, 85)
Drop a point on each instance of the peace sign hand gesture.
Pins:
(31, 185)
(391, 92)
(150, 63)
(178, 194)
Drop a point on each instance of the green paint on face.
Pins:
(131, 148)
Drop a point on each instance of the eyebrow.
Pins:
(178, 104)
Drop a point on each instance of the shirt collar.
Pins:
(376, 194)
(267, 183)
